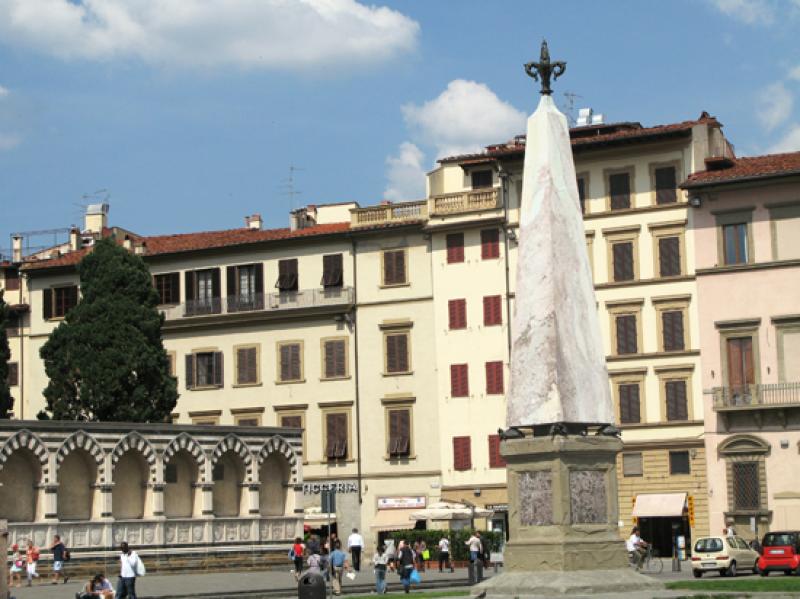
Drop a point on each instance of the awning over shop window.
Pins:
(397, 519)
(659, 505)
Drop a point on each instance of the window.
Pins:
(672, 334)
(462, 453)
(290, 362)
(11, 279)
(740, 366)
(397, 354)
(202, 288)
(457, 313)
(669, 256)
(459, 380)
(785, 230)
(287, 275)
(626, 334)
(619, 188)
(679, 462)
(492, 310)
(172, 367)
(455, 248)
(490, 244)
(168, 288)
(291, 421)
(336, 435)
(334, 358)
(394, 267)
(481, 179)
(247, 370)
(245, 287)
(677, 404)
(494, 378)
(632, 464)
(13, 374)
(399, 432)
(59, 300)
(248, 420)
(332, 271)
(788, 337)
(746, 485)
(170, 473)
(582, 193)
(622, 253)
(629, 403)
(666, 185)
(496, 459)
(735, 243)
(204, 369)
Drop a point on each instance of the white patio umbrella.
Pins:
(450, 510)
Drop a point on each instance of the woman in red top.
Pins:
(297, 552)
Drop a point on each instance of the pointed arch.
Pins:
(184, 441)
(82, 440)
(25, 439)
(233, 443)
(134, 441)
(281, 446)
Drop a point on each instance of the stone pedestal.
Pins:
(563, 518)
(4, 553)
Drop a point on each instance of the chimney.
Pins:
(16, 249)
(584, 117)
(297, 219)
(74, 239)
(96, 218)
(253, 222)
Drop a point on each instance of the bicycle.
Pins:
(650, 563)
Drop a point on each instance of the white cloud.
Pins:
(7, 141)
(405, 174)
(795, 72)
(3, 92)
(775, 104)
(789, 142)
(280, 34)
(751, 12)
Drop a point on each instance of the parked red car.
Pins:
(780, 552)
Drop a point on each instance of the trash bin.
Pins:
(311, 586)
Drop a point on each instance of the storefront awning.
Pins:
(659, 505)
(397, 519)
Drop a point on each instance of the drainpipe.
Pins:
(354, 313)
(503, 175)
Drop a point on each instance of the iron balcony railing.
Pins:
(753, 396)
(261, 302)
(466, 201)
(389, 213)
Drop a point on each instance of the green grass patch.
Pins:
(779, 583)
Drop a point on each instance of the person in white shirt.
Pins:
(730, 531)
(130, 566)
(355, 542)
(475, 546)
(444, 554)
(636, 547)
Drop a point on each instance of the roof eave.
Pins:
(736, 180)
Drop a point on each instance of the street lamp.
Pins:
(471, 507)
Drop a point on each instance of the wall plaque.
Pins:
(535, 491)
(587, 490)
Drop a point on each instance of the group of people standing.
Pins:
(326, 558)
(28, 562)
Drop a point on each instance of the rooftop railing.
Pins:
(466, 201)
(389, 213)
(773, 395)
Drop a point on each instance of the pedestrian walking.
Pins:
(32, 559)
(314, 561)
(130, 568)
(475, 546)
(355, 542)
(296, 555)
(444, 554)
(17, 565)
(60, 555)
(380, 562)
(339, 564)
(405, 564)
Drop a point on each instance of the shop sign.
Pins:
(497, 507)
(336, 487)
(396, 503)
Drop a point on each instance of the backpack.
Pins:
(67, 556)
(291, 554)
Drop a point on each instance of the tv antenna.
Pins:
(99, 196)
(288, 188)
(570, 105)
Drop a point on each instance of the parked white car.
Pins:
(726, 555)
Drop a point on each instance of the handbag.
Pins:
(426, 555)
(415, 578)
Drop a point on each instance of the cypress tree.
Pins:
(6, 401)
(106, 360)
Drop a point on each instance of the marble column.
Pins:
(254, 498)
(207, 500)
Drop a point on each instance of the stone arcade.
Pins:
(161, 486)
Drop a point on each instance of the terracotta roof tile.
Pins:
(748, 168)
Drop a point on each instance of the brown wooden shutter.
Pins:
(287, 275)
(457, 313)
(627, 337)
(677, 408)
(294, 359)
(174, 288)
(459, 380)
(455, 248)
(13, 374)
(332, 270)
(246, 365)
(336, 425)
(666, 185)
(669, 256)
(47, 304)
(230, 282)
(492, 310)
(582, 194)
(216, 291)
(190, 380)
(494, 378)
(189, 279)
(672, 330)
(399, 432)
(389, 269)
(620, 189)
(397, 352)
(71, 298)
(462, 453)
(623, 261)
(292, 421)
(496, 459)
(490, 244)
(259, 285)
(218, 375)
(629, 404)
(400, 266)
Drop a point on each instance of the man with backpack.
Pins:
(60, 555)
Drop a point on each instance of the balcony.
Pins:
(260, 303)
(389, 214)
(464, 202)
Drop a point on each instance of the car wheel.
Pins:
(731, 570)
(764, 573)
(697, 573)
(787, 572)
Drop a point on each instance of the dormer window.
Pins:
(481, 179)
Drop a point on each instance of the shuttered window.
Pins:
(13, 374)
(677, 406)
(746, 485)
(290, 362)
(459, 380)
(619, 186)
(168, 288)
(622, 254)
(735, 243)
(632, 464)
(496, 459)
(462, 453)
(490, 244)
(246, 365)
(629, 403)
(292, 421)
(204, 369)
(332, 270)
(248, 421)
(666, 185)
(58, 301)
(336, 435)
(492, 310)
(481, 179)
(494, 378)
(669, 256)
(582, 194)
(457, 313)
(394, 267)
(627, 337)
(672, 330)
(11, 279)
(397, 359)
(245, 287)
(287, 275)
(399, 432)
(455, 248)
(203, 294)
(334, 358)
(679, 462)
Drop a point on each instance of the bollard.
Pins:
(311, 586)
(479, 571)
(4, 554)
(471, 573)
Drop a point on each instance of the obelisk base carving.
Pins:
(563, 520)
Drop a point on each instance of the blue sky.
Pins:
(190, 112)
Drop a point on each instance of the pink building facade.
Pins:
(746, 226)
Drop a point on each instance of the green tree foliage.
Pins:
(106, 360)
(6, 401)
(458, 540)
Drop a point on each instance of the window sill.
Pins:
(55, 318)
(240, 385)
(385, 374)
(294, 382)
(334, 378)
(204, 388)
(400, 459)
(395, 285)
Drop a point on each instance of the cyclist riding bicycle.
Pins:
(637, 547)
